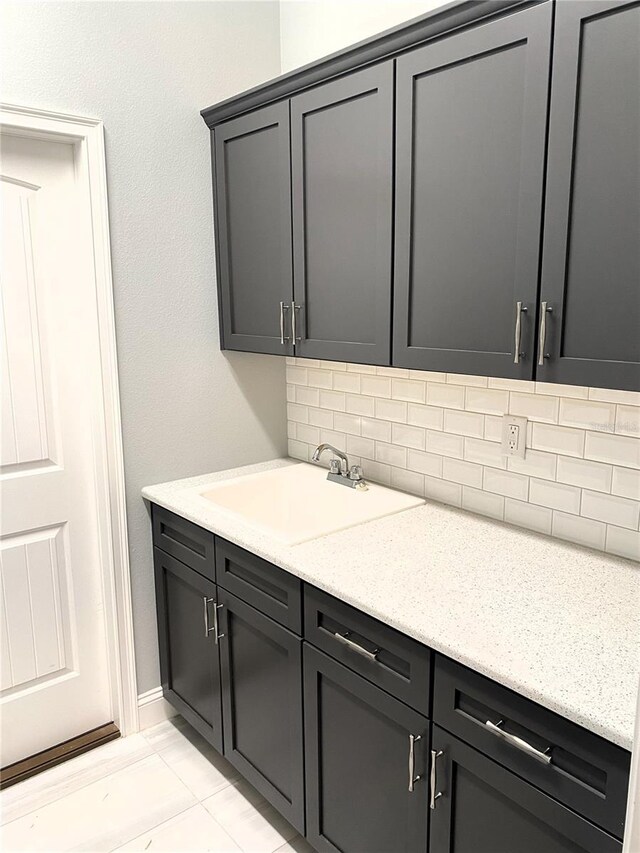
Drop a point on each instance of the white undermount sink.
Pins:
(297, 503)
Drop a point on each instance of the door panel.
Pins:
(55, 673)
(189, 663)
(471, 117)
(483, 808)
(342, 144)
(357, 764)
(253, 212)
(591, 257)
(262, 695)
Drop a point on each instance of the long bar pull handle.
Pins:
(544, 310)
(413, 739)
(217, 634)
(282, 323)
(294, 320)
(520, 310)
(207, 601)
(347, 641)
(518, 742)
(435, 755)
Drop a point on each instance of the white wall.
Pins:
(146, 69)
(310, 29)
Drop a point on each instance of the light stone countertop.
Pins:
(556, 622)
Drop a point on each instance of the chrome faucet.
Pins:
(339, 470)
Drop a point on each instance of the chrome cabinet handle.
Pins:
(544, 310)
(516, 741)
(413, 739)
(207, 601)
(294, 333)
(520, 310)
(283, 308)
(435, 755)
(347, 641)
(217, 634)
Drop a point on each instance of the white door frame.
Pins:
(87, 137)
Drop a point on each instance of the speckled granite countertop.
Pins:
(558, 623)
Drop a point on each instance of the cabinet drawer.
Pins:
(381, 654)
(585, 772)
(261, 584)
(185, 541)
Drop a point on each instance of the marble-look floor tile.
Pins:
(72, 775)
(296, 845)
(192, 830)
(104, 814)
(249, 819)
(203, 770)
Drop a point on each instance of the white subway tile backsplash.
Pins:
(557, 439)
(425, 416)
(483, 503)
(555, 495)
(438, 435)
(505, 483)
(611, 509)
(580, 530)
(536, 407)
(463, 423)
(528, 515)
(347, 382)
(443, 491)
(583, 473)
(391, 454)
(447, 396)
(615, 449)
(408, 436)
(409, 390)
(487, 400)
(588, 414)
(425, 463)
(375, 386)
(624, 543)
(467, 473)
(626, 483)
(356, 404)
(380, 430)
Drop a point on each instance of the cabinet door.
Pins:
(342, 167)
(591, 255)
(262, 698)
(189, 663)
(358, 763)
(471, 124)
(483, 808)
(253, 229)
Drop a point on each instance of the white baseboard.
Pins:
(153, 708)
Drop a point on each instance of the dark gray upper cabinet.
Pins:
(591, 256)
(342, 172)
(253, 229)
(471, 120)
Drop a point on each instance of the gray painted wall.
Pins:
(146, 69)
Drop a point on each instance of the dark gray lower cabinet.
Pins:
(189, 663)
(261, 665)
(483, 808)
(358, 764)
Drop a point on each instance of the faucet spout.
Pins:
(344, 461)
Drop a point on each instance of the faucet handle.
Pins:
(355, 472)
(334, 466)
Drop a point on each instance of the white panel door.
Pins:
(54, 665)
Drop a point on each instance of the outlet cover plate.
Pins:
(514, 435)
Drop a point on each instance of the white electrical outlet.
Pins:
(514, 435)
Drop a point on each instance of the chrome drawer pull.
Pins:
(520, 310)
(544, 310)
(516, 741)
(435, 755)
(216, 607)
(283, 308)
(344, 638)
(412, 761)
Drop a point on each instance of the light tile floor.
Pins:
(163, 789)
